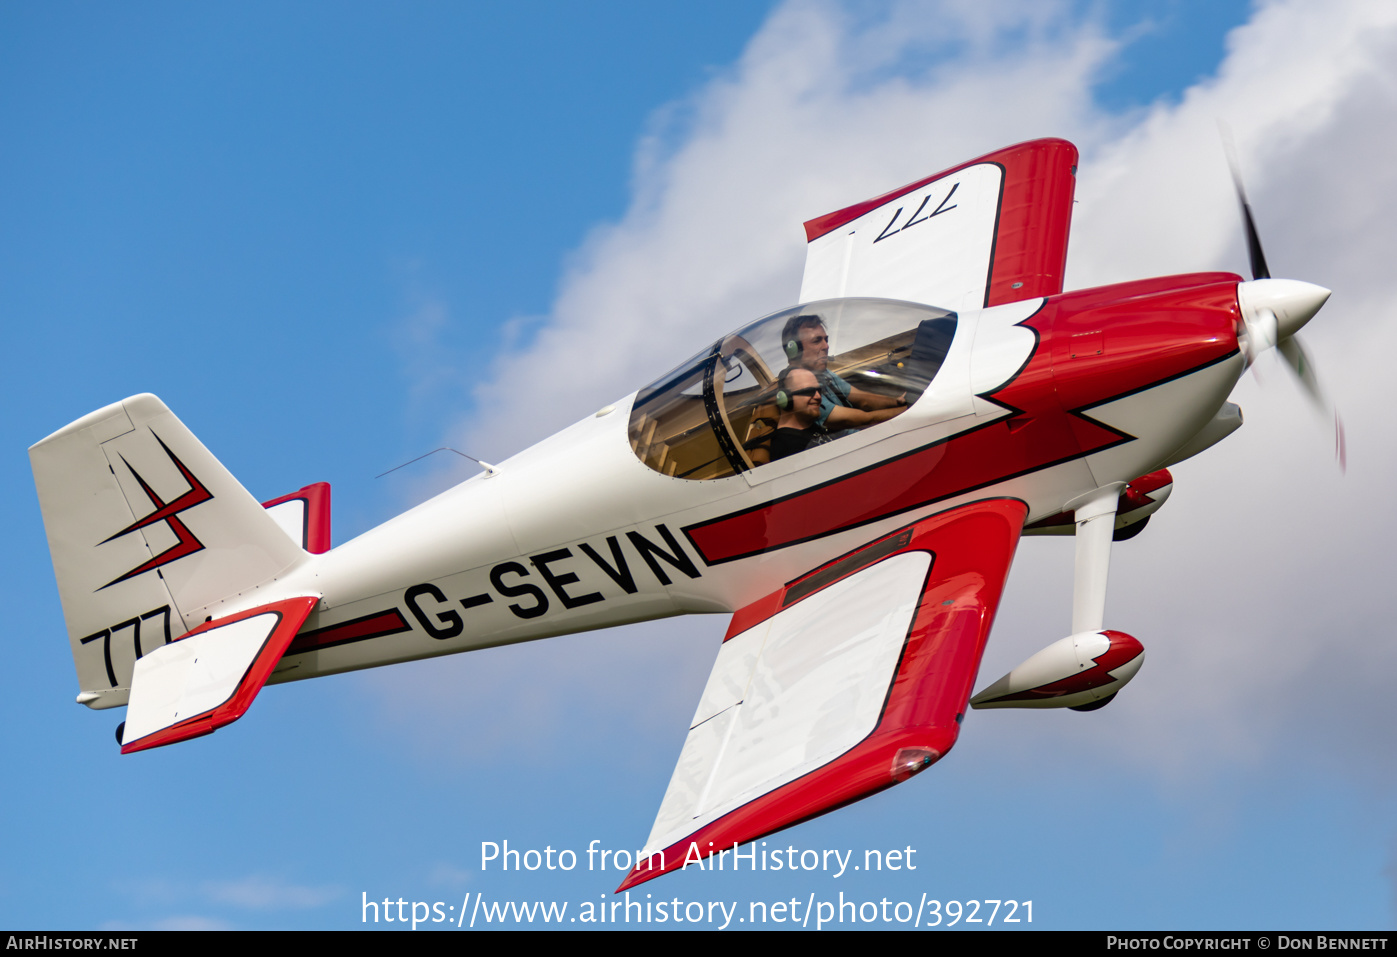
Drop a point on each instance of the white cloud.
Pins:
(444, 874)
(256, 892)
(1157, 198)
(261, 892)
(1261, 589)
(822, 110)
(1260, 580)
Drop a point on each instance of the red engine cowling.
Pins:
(1082, 672)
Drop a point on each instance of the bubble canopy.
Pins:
(716, 415)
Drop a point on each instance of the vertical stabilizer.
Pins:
(150, 536)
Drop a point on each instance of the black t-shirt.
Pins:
(789, 441)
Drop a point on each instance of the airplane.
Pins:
(847, 479)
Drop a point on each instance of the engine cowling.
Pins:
(1080, 671)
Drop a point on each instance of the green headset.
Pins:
(794, 348)
(791, 334)
(783, 398)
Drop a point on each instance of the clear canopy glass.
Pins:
(716, 415)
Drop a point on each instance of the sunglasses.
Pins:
(804, 392)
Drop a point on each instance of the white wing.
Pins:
(990, 231)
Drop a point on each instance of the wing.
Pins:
(989, 231)
(846, 681)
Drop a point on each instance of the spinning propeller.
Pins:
(1274, 310)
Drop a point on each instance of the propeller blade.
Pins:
(1259, 269)
(1299, 361)
(1258, 258)
(1273, 309)
(1340, 443)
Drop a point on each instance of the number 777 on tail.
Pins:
(847, 480)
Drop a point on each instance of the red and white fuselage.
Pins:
(1040, 401)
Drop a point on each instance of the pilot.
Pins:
(842, 407)
(798, 398)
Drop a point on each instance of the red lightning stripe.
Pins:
(186, 543)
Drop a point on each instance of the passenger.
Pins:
(842, 407)
(799, 401)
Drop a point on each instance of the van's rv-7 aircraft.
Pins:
(848, 479)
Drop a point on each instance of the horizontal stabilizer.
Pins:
(844, 682)
(209, 677)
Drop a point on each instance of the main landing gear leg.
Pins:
(1096, 521)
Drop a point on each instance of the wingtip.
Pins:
(644, 872)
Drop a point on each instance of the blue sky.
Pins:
(335, 236)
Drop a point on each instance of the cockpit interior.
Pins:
(715, 415)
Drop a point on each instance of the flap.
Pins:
(210, 676)
(845, 681)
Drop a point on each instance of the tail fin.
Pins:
(150, 536)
